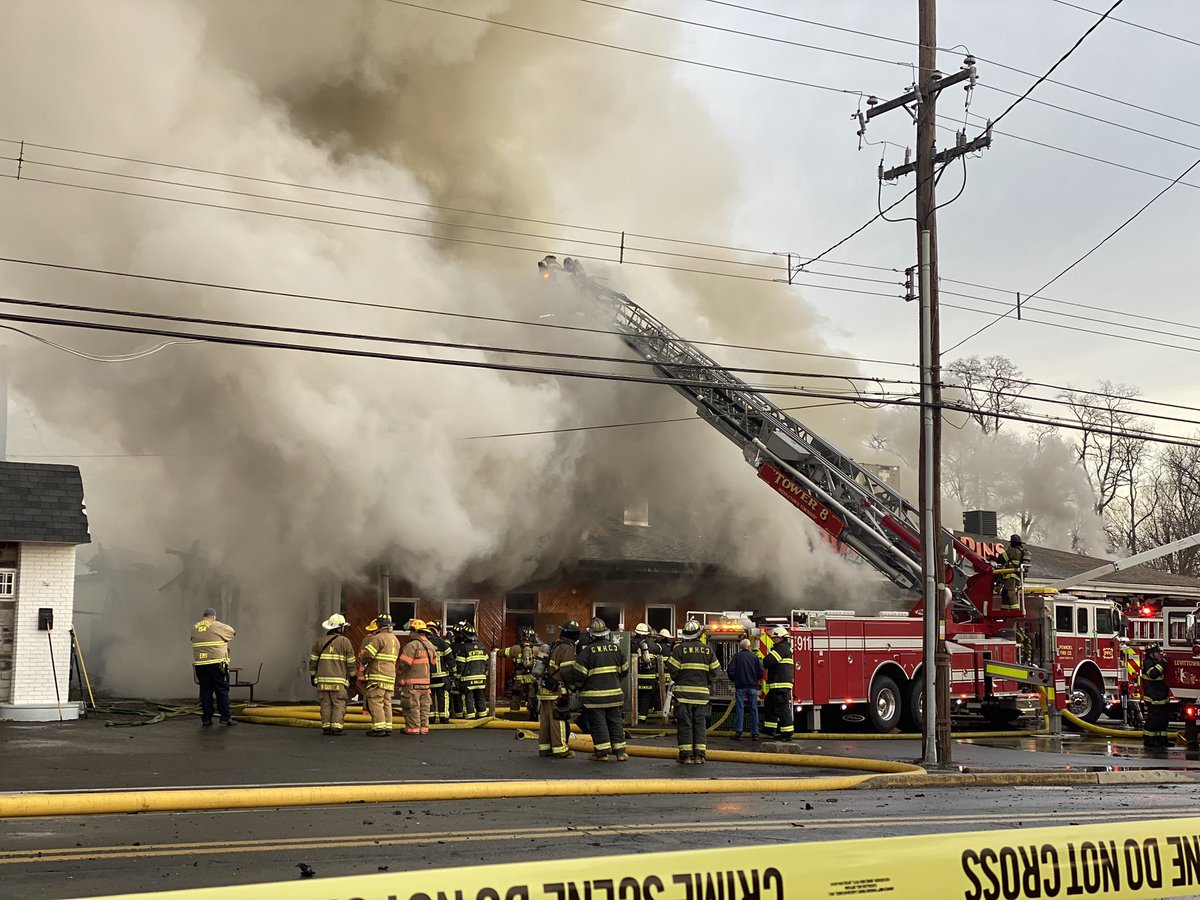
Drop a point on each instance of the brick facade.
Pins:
(45, 579)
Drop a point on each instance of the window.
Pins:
(520, 602)
(638, 514)
(1177, 632)
(613, 614)
(660, 617)
(1106, 621)
(402, 612)
(460, 611)
(1081, 621)
(8, 584)
(1063, 620)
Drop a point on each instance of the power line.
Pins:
(661, 56)
(1060, 61)
(982, 59)
(1102, 242)
(295, 295)
(1165, 34)
(1151, 437)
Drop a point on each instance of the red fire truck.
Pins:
(855, 665)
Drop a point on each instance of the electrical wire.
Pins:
(1102, 242)
(124, 357)
(661, 56)
(1165, 34)
(978, 57)
(1060, 61)
(233, 340)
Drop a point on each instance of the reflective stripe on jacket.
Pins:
(647, 652)
(210, 642)
(332, 666)
(523, 656)
(779, 665)
(599, 669)
(471, 664)
(562, 655)
(415, 662)
(1154, 682)
(378, 656)
(693, 667)
(437, 677)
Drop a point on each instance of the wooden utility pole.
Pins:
(923, 96)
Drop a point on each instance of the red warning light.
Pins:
(1147, 610)
(1189, 712)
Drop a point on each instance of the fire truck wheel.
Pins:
(885, 705)
(1086, 701)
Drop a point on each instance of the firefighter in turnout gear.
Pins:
(1156, 697)
(210, 662)
(439, 698)
(777, 710)
(377, 670)
(524, 655)
(693, 668)
(553, 700)
(647, 652)
(416, 661)
(470, 672)
(598, 672)
(1015, 560)
(331, 668)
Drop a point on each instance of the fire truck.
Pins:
(856, 665)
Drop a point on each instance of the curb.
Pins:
(1029, 779)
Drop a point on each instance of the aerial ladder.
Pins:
(841, 496)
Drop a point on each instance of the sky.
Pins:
(291, 467)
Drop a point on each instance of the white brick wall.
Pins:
(45, 578)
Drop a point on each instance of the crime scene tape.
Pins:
(1127, 859)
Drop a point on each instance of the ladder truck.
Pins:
(857, 667)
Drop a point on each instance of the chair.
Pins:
(236, 680)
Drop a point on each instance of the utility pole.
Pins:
(936, 744)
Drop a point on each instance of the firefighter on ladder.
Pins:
(777, 712)
(1011, 567)
(1156, 697)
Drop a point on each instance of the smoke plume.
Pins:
(288, 469)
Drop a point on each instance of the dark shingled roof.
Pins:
(40, 502)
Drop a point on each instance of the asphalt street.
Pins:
(97, 855)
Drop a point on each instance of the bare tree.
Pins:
(1171, 509)
(993, 386)
(1112, 455)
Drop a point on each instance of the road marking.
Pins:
(261, 845)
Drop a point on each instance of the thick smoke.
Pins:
(290, 469)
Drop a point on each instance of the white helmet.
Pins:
(337, 620)
(779, 631)
(691, 629)
(665, 633)
(642, 628)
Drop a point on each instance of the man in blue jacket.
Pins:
(745, 671)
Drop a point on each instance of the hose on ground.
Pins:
(1098, 729)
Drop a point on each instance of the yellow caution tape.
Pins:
(1129, 859)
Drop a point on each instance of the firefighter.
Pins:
(648, 652)
(331, 668)
(777, 712)
(553, 699)
(377, 670)
(1156, 697)
(471, 668)
(210, 660)
(665, 643)
(1015, 558)
(439, 698)
(597, 672)
(417, 660)
(523, 655)
(694, 668)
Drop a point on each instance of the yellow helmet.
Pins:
(417, 625)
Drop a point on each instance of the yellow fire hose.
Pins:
(1098, 729)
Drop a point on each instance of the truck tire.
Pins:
(883, 709)
(1086, 701)
(914, 708)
